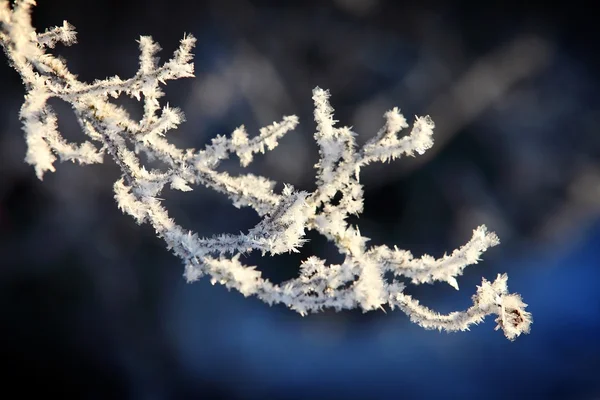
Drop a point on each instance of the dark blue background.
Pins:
(93, 306)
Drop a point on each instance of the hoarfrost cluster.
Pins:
(368, 278)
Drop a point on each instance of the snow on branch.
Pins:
(358, 282)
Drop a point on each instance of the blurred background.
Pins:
(94, 306)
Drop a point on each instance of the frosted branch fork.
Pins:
(357, 282)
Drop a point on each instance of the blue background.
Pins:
(93, 306)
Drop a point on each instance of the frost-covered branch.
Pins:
(368, 278)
